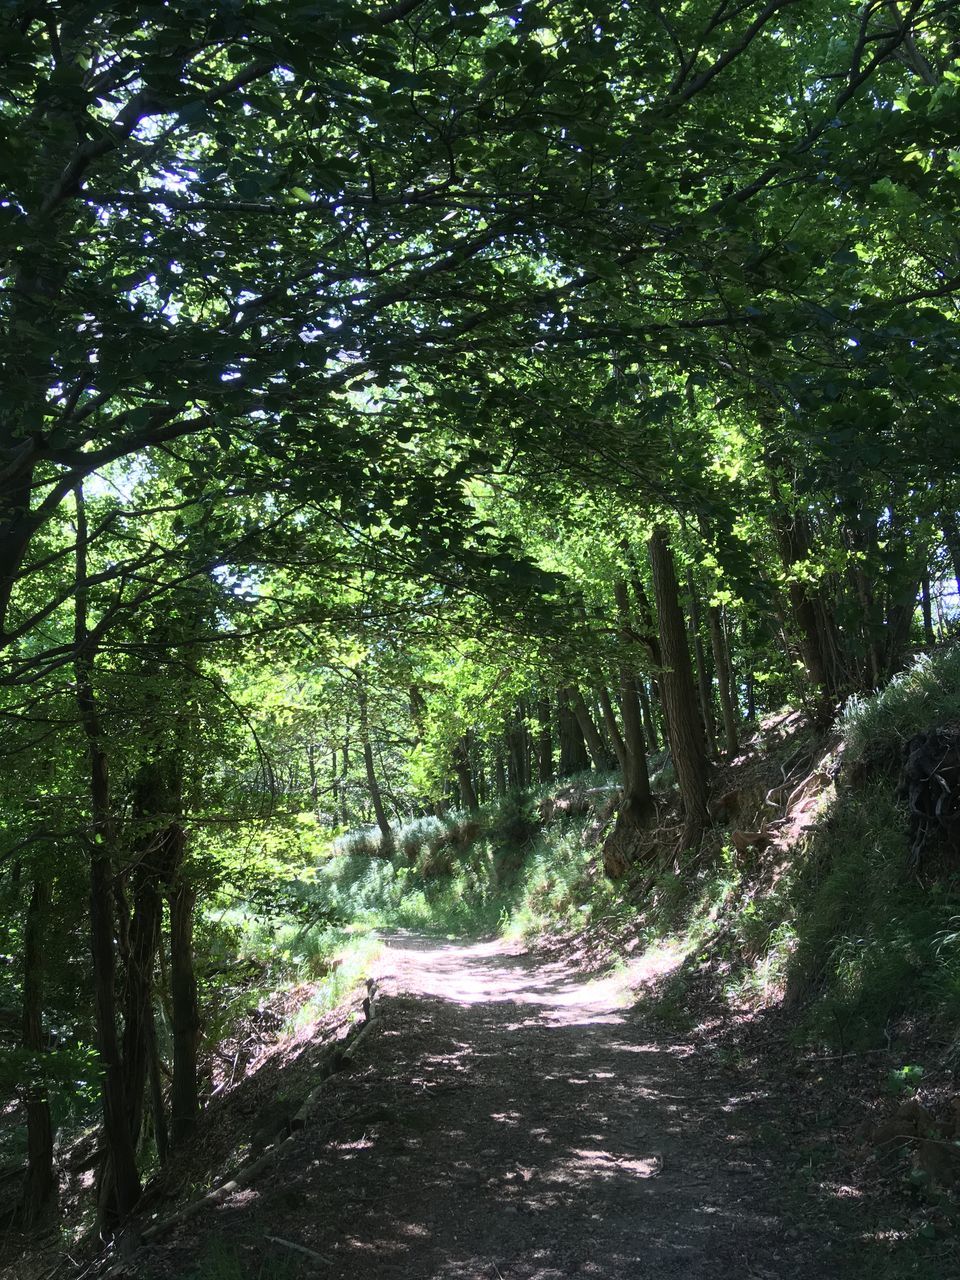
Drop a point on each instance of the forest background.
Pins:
(411, 405)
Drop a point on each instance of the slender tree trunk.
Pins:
(519, 749)
(526, 739)
(159, 851)
(591, 734)
(813, 620)
(312, 768)
(544, 742)
(721, 660)
(620, 849)
(184, 1093)
(120, 1179)
(345, 757)
(637, 797)
(646, 710)
(679, 691)
(39, 1184)
(900, 616)
(17, 527)
(120, 1176)
(373, 784)
(161, 1132)
(637, 805)
(860, 536)
(500, 772)
(40, 271)
(951, 536)
(613, 728)
(704, 683)
(651, 642)
(929, 636)
(726, 686)
(461, 765)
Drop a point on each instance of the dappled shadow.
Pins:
(808, 1107)
(487, 972)
(513, 1122)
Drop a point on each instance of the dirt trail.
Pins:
(511, 1122)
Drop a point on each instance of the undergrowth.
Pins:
(839, 928)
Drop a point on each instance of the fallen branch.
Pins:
(299, 1248)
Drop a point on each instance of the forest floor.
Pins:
(513, 1119)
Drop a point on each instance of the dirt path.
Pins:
(511, 1122)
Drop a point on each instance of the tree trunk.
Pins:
(161, 1133)
(721, 660)
(461, 765)
(929, 636)
(544, 743)
(139, 1032)
(345, 757)
(500, 772)
(312, 768)
(679, 691)
(373, 784)
(119, 1177)
(650, 640)
(704, 683)
(637, 797)
(861, 538)
(159, 851)
(613, 728)
(636, 807)
(573, 749)
(184, 1093)
(17, 527)
(951, 536)
(646, 711)
(39, 1184)
(814, 621)
(519, 750)
(591, 734)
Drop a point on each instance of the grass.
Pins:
(559, 887)
(925, 695)
(868, 946)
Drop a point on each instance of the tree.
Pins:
(679, 691)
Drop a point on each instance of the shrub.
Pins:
(363, 843)
(515, 822)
